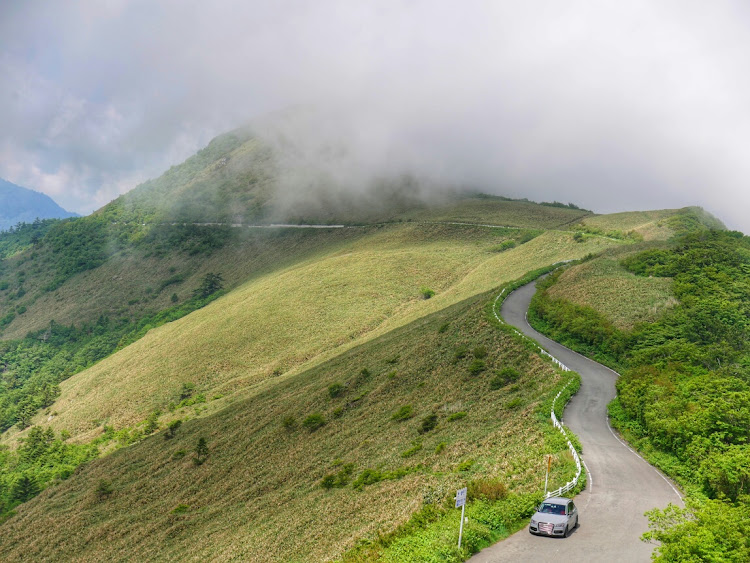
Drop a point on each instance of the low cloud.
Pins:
(614, 106)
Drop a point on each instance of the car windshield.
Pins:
(550, 508)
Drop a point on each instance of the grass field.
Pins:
(623, 298)
(258, 497)
(291, 320)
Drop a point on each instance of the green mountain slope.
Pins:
(259, 495)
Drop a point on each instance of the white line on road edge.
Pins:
(635, 453)
(590, 480)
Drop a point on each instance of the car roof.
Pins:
(557, 500)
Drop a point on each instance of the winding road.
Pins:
(621, 485)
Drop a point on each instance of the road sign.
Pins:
(460, 497)
(461, 501)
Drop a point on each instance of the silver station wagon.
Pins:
(556, 516)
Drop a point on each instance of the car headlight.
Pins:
(533, 521)
(560, 525)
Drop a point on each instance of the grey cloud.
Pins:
(612, 105)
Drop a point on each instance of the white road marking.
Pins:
(636, 454)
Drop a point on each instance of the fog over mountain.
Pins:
(611, 105)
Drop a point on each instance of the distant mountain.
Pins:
(19, 205)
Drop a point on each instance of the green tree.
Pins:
(211, 284)
(201, 451)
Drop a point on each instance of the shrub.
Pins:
(443, 328)
(172, 429)
(152, 423)
(578, 236)
(404, 413)
(440, 447)
(465, 465)
(104, 489)
(428, 423)
(426, 292)
(515, 403)
(477, 366)
(335, 389)
(503, 246)
(456, 416)
(201, 451)
(338, 413)
(487, 489)
(187, 391)
(180, 509)
(416, 446)
(289, 422)
(174, 298)
(503, 377)
(339, 479)
(314, 422)
(480, 351)
(460, 353)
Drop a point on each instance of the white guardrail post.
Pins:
(570, 484)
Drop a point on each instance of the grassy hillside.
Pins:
(606, 286)
(259, 495)
(295, 318)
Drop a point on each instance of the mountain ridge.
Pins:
(23, 205)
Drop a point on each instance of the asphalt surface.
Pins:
(621, 485)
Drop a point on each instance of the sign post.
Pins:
(461, 501)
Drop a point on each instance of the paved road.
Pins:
(621, 485)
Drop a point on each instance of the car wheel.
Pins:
(577, 522)
(567, 531)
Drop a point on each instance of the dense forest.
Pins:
(684, 392)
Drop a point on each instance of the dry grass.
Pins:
(625, 299)
(258, 496)
(293, 319)
(494, 211)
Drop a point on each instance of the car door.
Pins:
(572, 513)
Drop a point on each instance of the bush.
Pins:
(515, 403)
(404, 413)
(289, 422)
(180, 509)
(338, 479)
(487, 489)
(314, 422)
(335, 389)
(201, 451)
(426, 292)
(480, 351)
(465, 465)
(428, 423)
(416, 446)
(477, 366)
(456, 416)
(172, 429)
(503, 377)
(104, 489)
(440, 447)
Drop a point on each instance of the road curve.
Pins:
(621, 485)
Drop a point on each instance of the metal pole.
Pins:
(461, 528)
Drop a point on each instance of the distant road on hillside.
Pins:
(621, 485)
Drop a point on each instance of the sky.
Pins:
(612, 105)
